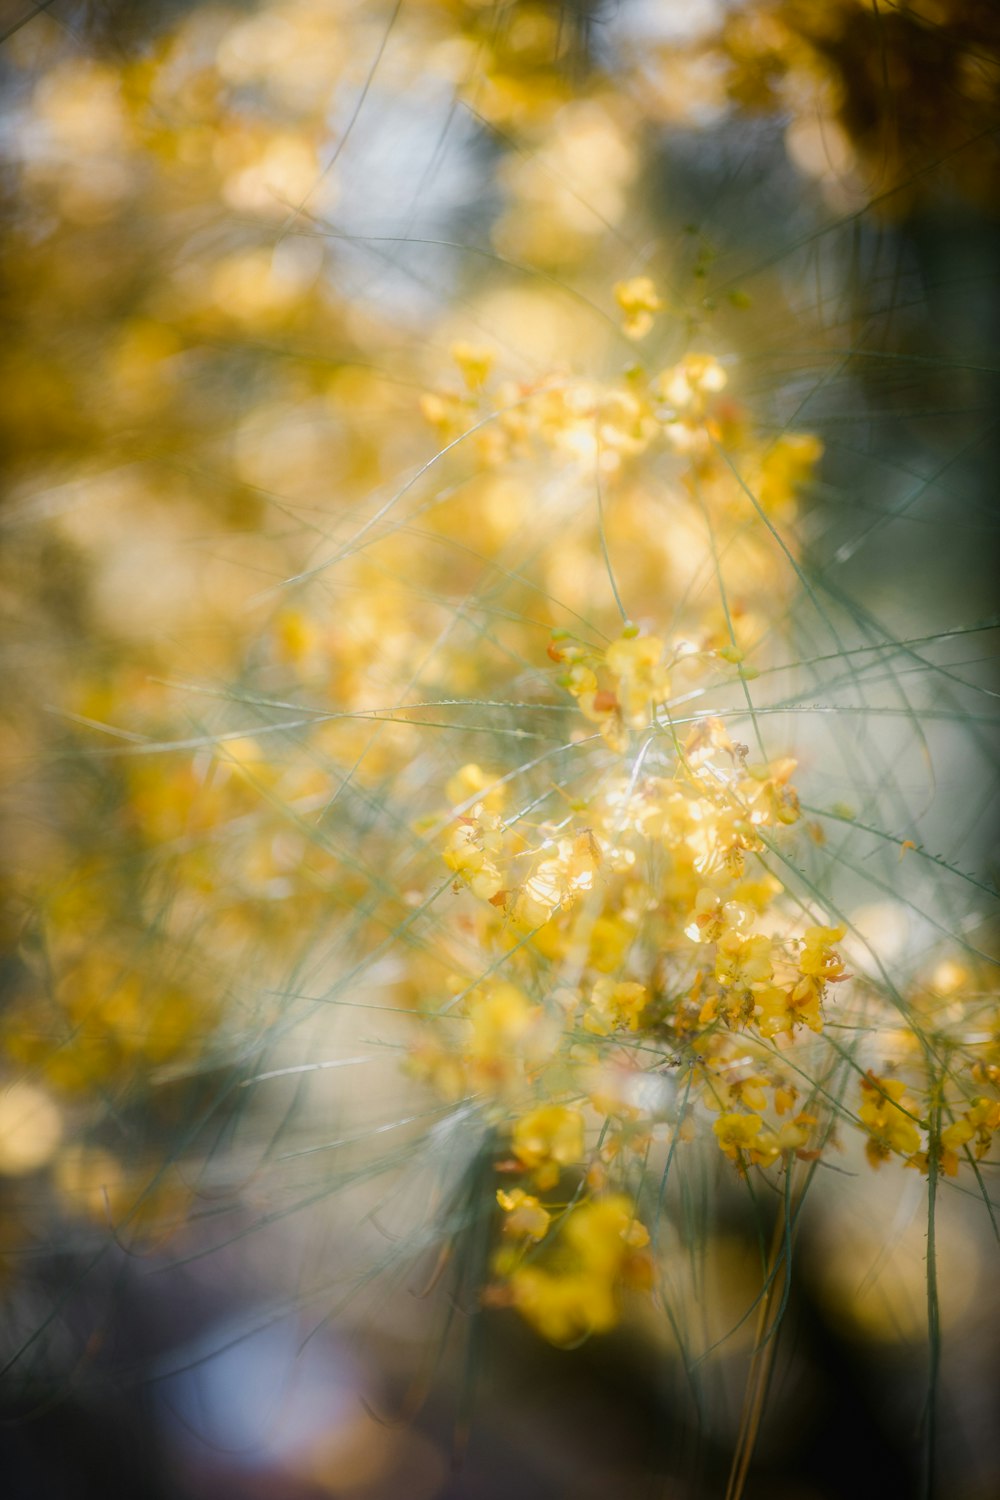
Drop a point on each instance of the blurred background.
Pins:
(241, 527)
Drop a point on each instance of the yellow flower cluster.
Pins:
(652, 957)
(599, 1252)
(648, 945)
(636, 683)
(888, 1113)
(639, 301)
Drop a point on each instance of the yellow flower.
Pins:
(778, 1010)
(564, 1308)
(781, 1010)
(772, 1146)
(785, 467)
(603, 1231)
(742, 1137)
(614, 1005)
(979, 1123)
(817, 958)
(635, 681)
(743, 962)
(785, 1095)
(548, 1138)
(720, 1096)
(505, 1029)
(686, 385)
(475, 363)
(600, 1249)
(985, 1117)
(558, 881)
(525, 1215)
(750, 1092)
(737, 1133)
(446, 411)
(295, 636)
(638, 300)
(470, 844)
(635, 662)
(885, 1112)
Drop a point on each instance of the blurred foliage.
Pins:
(887, 104)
